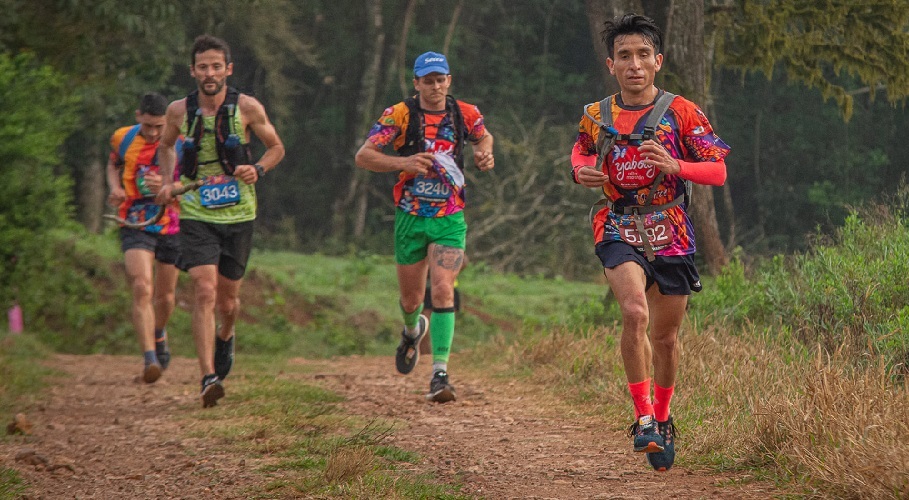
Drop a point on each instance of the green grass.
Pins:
(11, 484)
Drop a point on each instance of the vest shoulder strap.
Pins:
(127, 141)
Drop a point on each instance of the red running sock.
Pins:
(640, 395)
(661, 398)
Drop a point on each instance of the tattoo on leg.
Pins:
(448, 257)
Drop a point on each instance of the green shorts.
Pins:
(413, 234)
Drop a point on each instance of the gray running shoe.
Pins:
(440, 390)
(408, 352)
(646, 435)
(212, 391)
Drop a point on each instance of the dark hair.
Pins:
(632, 24)
(204, 43)
(153, 104)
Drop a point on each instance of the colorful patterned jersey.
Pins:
(687, 135)
(223, 199)
(441, 191)
(136, 158)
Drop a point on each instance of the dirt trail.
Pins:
(102, 436)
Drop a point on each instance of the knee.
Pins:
(635, 315)
(443, 296)
(165, 298)
(667, 341)
(205, 295)
(142, 289)
(228, 305)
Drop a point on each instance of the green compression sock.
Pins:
(411, 318)
(441, 333)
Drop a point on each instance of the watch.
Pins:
(260, 170)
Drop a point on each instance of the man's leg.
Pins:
(205, 287)
(412, 288)
(164, 301)
(445, 263)
(139, 263)
(628, 283)
(228, 306)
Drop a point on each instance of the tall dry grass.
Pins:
(748, 399)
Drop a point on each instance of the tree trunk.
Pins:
(91, 189)
(686, 58)
(449, 34)
(356, 193)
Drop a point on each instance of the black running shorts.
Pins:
(166, 247)
(225, 245)
(674, 275)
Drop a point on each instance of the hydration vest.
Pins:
(231, 149)
(414, 139)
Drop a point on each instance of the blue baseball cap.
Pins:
(430, 62)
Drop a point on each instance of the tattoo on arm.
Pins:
(448, 257)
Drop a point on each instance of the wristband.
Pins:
(260, 170)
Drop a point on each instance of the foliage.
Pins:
(814, 42)
(37, 116)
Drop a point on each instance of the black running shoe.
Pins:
(440, 390)
(224, 356)
(662, 461)
(162, 352)
(646, 437)
(408, 352)
(212, 390)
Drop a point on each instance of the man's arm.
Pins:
(167, 157)
(117, 193)
(257, 121)
(370, 157)
(482, 153)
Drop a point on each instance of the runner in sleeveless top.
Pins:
(217, 220)
(643, 234)
(429, 132)
(150, 252)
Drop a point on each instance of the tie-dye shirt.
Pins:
(440, 192)
(137, 158)
(686, 134)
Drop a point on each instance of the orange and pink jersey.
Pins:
(440, 192)
(136, 158)
(687, 135)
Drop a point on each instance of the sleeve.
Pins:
(473, 119)
(698, 135)
(115, 141)
(388, 127)
(584, 151)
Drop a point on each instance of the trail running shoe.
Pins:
(440, 390)
(662, 461)
(224, 356)
(408, 352)
(151, 373)
(212, 390)
(646, 437)
(162, 352)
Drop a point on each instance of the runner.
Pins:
(217, 221)
(642, 232)
(150, 252)
(429, 131)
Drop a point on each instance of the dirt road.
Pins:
(100, 435)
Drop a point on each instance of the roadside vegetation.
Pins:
(794, 368)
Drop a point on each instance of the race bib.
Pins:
(659, 232)
(431, 187)
(219, 191)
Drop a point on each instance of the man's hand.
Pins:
(484, 160)
(246, 173)
(419, 163)
(591, 177)
(655, 154)
(165, 195)
(153, 182)
(116, 197)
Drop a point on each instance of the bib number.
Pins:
(658, 232)
(431, 187)
(219, 191)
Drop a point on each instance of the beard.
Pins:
(219, 84)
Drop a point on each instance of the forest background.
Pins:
(810, 95)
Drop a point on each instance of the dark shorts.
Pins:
(166, 247)
(224, 245)
(674, 275)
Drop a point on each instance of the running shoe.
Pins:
(162, 352)
(151, 373)
(646, 437)
(440, 390)
(224, 356)
(408, 352)
(663, 460)
(212, 390)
